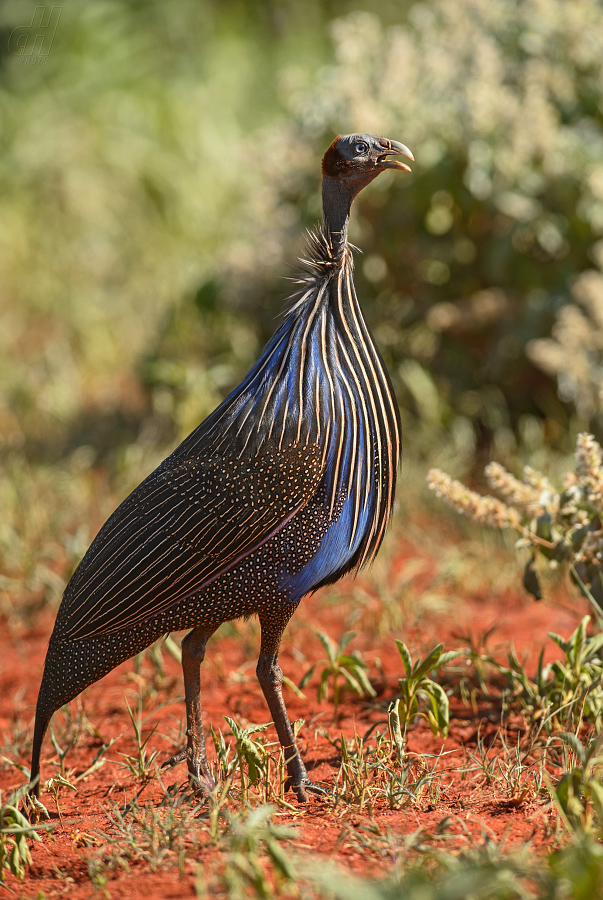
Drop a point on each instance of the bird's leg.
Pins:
(193, 653)
(270, 676)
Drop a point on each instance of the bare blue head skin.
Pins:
(350, 163)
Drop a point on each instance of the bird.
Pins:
(287, 486)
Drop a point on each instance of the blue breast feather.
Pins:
(307, 352)
(336, 550)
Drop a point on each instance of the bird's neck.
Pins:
(336, 203)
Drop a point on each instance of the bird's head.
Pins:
(350, 163)
(358, 158)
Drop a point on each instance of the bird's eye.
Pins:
(361, 148)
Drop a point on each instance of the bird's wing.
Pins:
(186, 524)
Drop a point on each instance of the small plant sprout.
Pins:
(356, 772)
(54, 786)
(15, 830)
(341, 669)
(577, 679)
(155, 835)
(579, 794)
(141, 765)
(252, 834)
(99, 760)
(225, 765)
(62, 753)
(566, 692)
(250, 753)
(264, 772)
(368, 774)
(561, 527)
(417, 687)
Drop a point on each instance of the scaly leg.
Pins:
(193, 654)
(270, 677)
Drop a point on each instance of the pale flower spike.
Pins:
(485, 509)
(561, 528)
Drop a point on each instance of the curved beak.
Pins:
(400, 150)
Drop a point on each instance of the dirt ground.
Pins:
(468, 803)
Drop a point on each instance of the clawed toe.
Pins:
(315, 789)
(174, 760)
(305, 788)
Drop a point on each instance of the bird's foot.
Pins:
(202, 786)
(304, 788)
(201, 781)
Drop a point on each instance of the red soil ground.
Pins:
(230, 687)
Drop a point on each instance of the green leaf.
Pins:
(308, 675)
(281, 860)
(405, 656)
(407, 710)
(543, 527)
(22, 822)
(531, 582)
(55, 744)
(346, 639)
(578, 536)
(578, 640)
(258, 729)
(352, 682)
(293, 687)
(558, 640)
(323, 687)
(328, 644)
(440, 708)
(14, 863)
(430, 662)
(449, 655)
(23, 849)
(365, 683)
(352, 662)
(253, 758)
(594, 644)
(235, 729)
(592, 749)
(574, 744)
(563, 791)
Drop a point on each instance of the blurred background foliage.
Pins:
(157, 172)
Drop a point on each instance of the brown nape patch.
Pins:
(332, 161)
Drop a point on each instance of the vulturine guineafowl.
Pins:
(286, 486)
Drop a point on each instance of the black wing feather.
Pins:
(187, 523)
